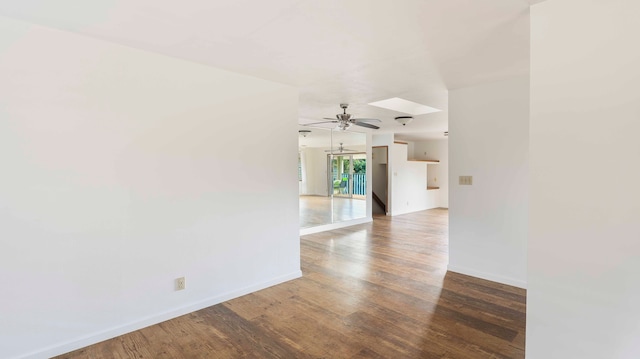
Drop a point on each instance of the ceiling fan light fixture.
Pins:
(403, 120)
(345, 120)
(343, 126)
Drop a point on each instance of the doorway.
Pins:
(380, 179)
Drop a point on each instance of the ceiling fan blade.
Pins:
(367, 125)
(366, 119)
(329, 118)
(317, 123)
(345, 152)
(337, 150)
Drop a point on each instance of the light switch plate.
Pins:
(465, 180)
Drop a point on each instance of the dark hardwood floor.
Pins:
(377, 290)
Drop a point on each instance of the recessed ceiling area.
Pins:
(333, 51)
(404, 106)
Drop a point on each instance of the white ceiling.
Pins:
(354, 51)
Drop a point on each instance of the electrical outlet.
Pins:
(180, 283)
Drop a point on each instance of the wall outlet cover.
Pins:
(180, 283)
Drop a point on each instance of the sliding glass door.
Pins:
(347, 175)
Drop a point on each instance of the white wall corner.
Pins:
(516, 282)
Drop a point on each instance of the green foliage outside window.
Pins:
(359, 166)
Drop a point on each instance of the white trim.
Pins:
(331, 226)
(488, 276)
(97, 337)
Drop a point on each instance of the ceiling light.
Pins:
(403, 120)
(402, 105)
(304, 133)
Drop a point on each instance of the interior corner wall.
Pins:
(124, 170)
(409, 186)
(383, 139)
(437, 149)
(584, 231)
(488, 220)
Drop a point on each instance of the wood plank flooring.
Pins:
(377, 290)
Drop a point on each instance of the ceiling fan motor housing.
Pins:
(344, 120)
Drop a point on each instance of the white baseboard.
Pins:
(328, 227)
(97, 337)
(488, 276)
(413, 210)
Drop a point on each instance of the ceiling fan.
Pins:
(344, 120)
(340, 149)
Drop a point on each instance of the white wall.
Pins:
(409, 186)
(584, 245)
(435, 150)
(382, 139)
(489, 140)
(123, 170)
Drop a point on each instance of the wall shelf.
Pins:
(431, 171)
(429, 162)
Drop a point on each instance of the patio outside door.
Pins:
(342, 167)
(347, 175)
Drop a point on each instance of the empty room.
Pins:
(319, 179)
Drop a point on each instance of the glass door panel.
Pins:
(342, 167)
